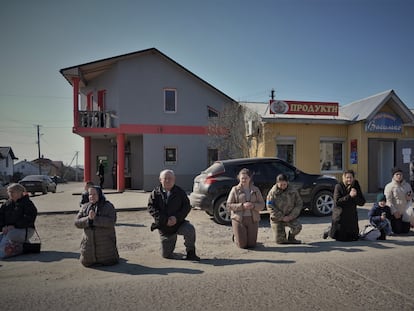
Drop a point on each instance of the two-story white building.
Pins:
(141, 113)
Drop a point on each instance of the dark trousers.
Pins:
(400, 226)
(168, 242)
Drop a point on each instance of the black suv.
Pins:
(212, 186)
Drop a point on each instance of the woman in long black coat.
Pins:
(347, 196)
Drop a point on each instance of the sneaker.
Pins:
(325, 234)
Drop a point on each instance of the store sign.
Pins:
(308, 108)
(385, 123)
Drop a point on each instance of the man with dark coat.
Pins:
(168, 204)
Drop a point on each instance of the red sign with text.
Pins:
(299, 107)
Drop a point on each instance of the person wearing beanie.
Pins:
(398, 194)
(380, 216)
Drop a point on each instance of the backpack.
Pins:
(369, 233)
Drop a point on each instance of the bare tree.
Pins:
(229, 131)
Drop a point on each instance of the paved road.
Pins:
(318, 275)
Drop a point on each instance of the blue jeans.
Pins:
(383, 225)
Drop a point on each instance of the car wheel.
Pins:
(220, 213)
(323, 203)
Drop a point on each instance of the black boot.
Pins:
(191, 255)
(292, 240)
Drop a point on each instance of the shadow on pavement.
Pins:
(232, 262)
(45, 256)
(125, 267)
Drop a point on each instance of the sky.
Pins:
(312, 50)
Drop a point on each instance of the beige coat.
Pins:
(236, 199)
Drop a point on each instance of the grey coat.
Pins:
(98, 245)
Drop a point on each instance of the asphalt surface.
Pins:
(317, 275)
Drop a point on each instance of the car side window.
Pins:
(276, 168)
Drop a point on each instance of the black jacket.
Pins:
(344, 215)
(160, 208)
(21, 214)
(375, 212)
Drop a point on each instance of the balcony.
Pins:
(96, 119)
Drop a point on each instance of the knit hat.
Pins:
(396, 170)
(381, 197)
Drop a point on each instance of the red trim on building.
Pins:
(120, 141)
(87, 175)
(152, 129)
(163, 129)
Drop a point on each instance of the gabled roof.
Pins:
(356, 111)
(263, 110)
(89, 71)
(5, 151)
(368, 107)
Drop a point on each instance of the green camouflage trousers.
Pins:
(280, 232)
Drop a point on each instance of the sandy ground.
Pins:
(320, 268)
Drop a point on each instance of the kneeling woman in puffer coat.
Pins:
(97, 219)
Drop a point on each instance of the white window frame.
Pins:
(165, 100)
(330, 158)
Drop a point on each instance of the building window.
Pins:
(170, 155)
(331, 156)
(286, 152)
(212, 113)
(212, 156)
(170, 100)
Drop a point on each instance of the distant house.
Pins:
(26, 168)
(141, 113)
(6, 164)
(49, 167)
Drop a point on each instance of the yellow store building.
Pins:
(370, 136)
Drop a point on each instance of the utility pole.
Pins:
(38, 148)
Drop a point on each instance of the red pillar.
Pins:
(75, 81)
(87, 159)
(120, 141)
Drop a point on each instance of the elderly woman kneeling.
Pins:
(17, 221)
(97, 218)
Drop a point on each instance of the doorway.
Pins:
(385, 162)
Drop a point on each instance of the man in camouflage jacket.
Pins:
(285, 205)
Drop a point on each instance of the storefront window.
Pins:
(331, 156)
(285, 151)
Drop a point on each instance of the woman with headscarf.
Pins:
(97, 218)
(347, 195)
(17, 218)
